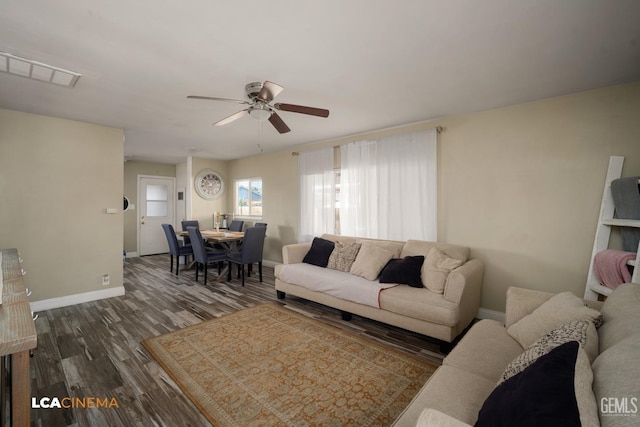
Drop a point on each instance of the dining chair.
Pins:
(189, 223)
(251, 252)
(236, 225)
(175, 247)
(202, 256)
(257, 224)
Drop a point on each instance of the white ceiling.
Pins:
(374, 64)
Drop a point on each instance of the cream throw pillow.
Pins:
(436, 269)
(370, 261)
(343, 256)
(582, 331)
(562, 308)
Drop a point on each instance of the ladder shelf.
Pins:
(606, 222)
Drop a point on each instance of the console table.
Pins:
(17, 336)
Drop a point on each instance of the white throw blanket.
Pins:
(336, 283)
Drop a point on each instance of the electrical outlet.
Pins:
(105, 280)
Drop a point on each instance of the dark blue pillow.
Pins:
(319, 252)
(405, 271)
(541, 395)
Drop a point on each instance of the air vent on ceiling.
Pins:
(37, 70)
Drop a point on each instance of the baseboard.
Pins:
(271, 264)
(48, 304)
(484, 313)
(132, 255)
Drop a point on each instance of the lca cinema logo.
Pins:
(619, 406)
(73, 402)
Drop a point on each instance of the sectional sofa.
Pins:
(558, 360)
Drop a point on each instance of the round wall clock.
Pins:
(209, 184)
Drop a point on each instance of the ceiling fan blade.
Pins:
(232, 117)
(320, 112)
(278, 123)
(210, 98)
(269, 91)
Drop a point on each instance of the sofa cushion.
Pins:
(485, 350)
(558, 310)
(437, 267)
(405, 271)
(370, 261)
(452, 391)
(393, 246)
(422, 247)
(616, 372)
(582, 331)
(621, 316)
(338, 284)
(433, 418)
(554, 390)
(343, 256)
(420, 303)
(319, 252)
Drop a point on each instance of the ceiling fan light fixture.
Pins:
(260, 113)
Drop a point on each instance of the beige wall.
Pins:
(57, 178)
(131, 171)
(520, 185)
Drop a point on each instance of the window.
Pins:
(249, 197)
(157, 200)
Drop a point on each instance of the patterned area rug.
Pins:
(269, 365)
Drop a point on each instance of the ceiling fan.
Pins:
(259, 105)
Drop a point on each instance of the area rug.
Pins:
(269, 365)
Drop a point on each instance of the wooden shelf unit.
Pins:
(606, 222)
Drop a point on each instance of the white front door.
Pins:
(156, 207)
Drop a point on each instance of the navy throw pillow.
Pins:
(319, 252)
(541, 395)
(405, 271)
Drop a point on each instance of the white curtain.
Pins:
(388, 187)
(317, 193)
(359, 189)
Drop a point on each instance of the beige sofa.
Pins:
(610, 386)
(440, 315)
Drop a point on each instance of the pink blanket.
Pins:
(610, 267)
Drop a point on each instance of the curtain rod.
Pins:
(439, 130)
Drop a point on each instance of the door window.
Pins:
(157, 200)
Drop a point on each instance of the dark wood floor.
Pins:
(93, 349)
